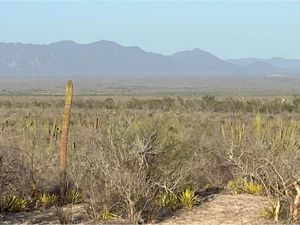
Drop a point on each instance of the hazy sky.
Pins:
(226, 29)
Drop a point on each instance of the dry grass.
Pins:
(125, 152)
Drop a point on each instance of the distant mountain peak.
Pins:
(197, 50)
(293, 65)
(105, 42)
(105, 57)
(259, 63)
(64, 42)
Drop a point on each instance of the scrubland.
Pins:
(140, 159)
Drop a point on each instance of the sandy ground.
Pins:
(224, 209)
(218, 209)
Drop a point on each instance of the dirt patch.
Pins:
(218, 209)
(224, 209)
(69, 214)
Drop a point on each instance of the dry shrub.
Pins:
(15, 174)
(126, 152)
(130, 162)
(272, 160)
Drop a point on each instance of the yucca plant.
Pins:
(167, 200)
(64, 137)
(106, 214)
(253, 188)
(240, 185)
(47, 199)
(236, 185)
(74, 196)
(188, 198)
(13, 204)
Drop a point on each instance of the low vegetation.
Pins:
(133, 158)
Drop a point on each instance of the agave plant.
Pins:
(167, 200)
(13, 204)
(74, 196)
(188, 198)
(47, 199)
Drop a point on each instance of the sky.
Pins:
(227, 29)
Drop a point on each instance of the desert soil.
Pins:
(224, 209)
(217, 209)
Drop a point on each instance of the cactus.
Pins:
(258, 126)
(64, 137)
(97, 122)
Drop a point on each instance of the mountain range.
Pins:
(110, 58)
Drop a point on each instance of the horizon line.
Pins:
(136, 46)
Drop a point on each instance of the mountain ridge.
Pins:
(110, 58)
(273, 61)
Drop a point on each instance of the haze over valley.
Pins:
(149, 112)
